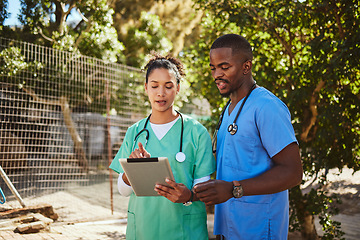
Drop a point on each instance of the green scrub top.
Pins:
(157, 217)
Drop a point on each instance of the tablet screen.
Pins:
(144, 173)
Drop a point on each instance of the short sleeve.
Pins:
(205, 161)
(274, 124)
(124, 152)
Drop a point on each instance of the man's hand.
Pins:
(177, 192)
(213, 191)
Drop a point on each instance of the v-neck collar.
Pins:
(167, 133)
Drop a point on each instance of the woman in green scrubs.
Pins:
(175, 213)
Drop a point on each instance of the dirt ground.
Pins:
(347, 186)
(81, 206)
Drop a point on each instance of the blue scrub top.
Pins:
(264, 129)
(158, 217)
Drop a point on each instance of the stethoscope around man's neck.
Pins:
(180, 156)
(232, 128)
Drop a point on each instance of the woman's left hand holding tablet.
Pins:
(177, 192)
(140, 152)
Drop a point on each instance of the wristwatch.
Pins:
(237, 189)
(188, 203)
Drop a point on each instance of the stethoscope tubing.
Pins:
(148, 133)
(139, 133)
(232, 128)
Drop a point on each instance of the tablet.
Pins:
(144, 173)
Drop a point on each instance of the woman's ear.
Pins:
(178, 88)
(146, 88)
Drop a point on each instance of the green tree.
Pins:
(304, 53)
(3, 12)
(148, 35)
(48, 23)
(51, 23)
(164, 26)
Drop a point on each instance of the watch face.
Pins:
(238, 191)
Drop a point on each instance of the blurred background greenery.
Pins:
(306, 52)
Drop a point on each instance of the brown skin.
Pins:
(161, 89)
(178, 193)
(232, 74)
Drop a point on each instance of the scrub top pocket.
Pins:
(254, 227)
(243, 148)
(131, 227)
(195, 226)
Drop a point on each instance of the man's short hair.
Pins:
(237, 43)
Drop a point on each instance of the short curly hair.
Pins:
(167, 62)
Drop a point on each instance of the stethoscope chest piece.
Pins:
(180, 157)
(232, 129)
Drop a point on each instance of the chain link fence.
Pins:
(63, 116)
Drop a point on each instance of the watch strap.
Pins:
(236, 183)
(188, 203)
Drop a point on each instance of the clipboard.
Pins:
(144, 173)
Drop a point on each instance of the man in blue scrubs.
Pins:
(257, 153)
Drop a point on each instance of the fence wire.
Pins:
(63, 116)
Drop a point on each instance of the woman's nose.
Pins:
(161, 91)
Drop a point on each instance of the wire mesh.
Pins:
(63, 116)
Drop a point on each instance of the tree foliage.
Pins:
(304, 53)
(77, 26)
(163, 26)
(3, 12)
(148, 35)
(114, 31)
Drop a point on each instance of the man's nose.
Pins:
(217, 73)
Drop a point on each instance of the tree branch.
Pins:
(40, 100)
(81, 36)
(44, 36)
(314, 113)
(78, 143)
(338, 20)
(72, 5)
(273, 29)
(82, 15)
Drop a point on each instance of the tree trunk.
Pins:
(308, 230)
(306, 219)
(78, 143)
(78, 146)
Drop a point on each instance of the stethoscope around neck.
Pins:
(232, 128)
(180, 156)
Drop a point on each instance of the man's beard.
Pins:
(227, 94)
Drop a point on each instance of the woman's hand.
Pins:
(137, 153)
(140, 152)
(177, 192)
(125, 179)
